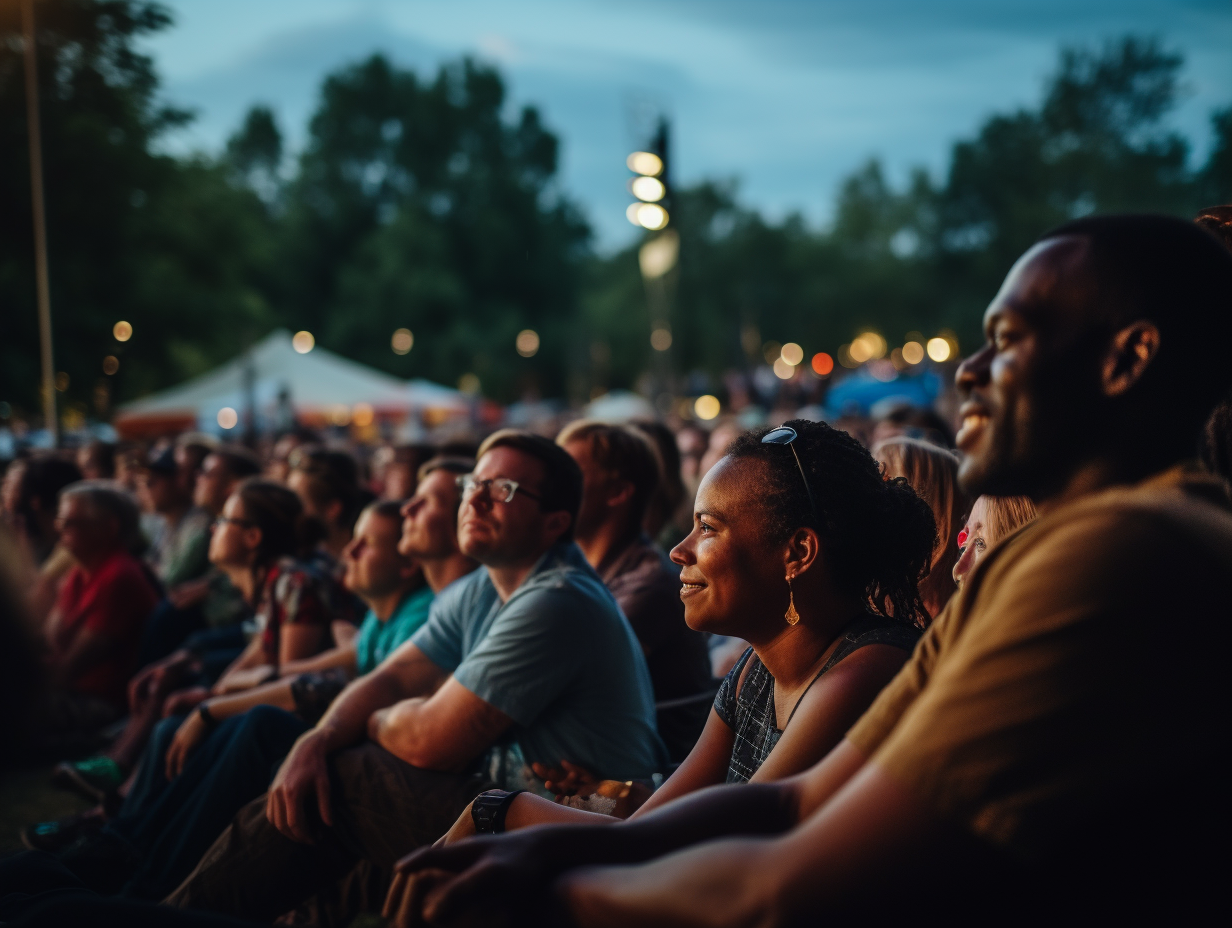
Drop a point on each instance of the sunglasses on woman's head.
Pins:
(785, 435)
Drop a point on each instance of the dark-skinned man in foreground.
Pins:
(1052, 750)
(528, 660)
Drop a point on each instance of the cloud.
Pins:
(788, 95)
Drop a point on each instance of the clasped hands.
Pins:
(490, 880)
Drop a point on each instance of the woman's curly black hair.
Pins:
(877, 534)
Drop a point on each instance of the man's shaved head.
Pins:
(1105, 339)
(1179, 277)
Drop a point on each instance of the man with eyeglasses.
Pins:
(526, 661)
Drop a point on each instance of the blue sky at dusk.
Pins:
(788, 96)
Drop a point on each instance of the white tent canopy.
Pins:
(316, 384)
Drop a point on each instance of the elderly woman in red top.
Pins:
(95, 627)
(254, 542)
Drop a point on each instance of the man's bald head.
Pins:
(1177, 276)
(1105, 339)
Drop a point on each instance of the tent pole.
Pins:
(34, 130)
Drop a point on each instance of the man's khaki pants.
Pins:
(382, 809)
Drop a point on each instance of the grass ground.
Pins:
(26, 796)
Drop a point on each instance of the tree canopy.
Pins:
(929, 256)
(427, 203)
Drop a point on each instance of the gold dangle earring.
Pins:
(791, 615)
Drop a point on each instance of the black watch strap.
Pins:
(489, 809)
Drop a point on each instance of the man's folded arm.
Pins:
(405, 674)
(444, 731)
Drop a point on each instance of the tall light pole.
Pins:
(657, 255)
(40, 220)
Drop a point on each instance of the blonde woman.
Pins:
(932, 472)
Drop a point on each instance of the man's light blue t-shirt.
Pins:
(377, 639)
(559, 658)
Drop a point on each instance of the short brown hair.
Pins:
(562, 478)
(447, 462)
(619, 450)
(238, 460)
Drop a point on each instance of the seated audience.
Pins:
(30, 498)
(97, 460)
(182, 550)
(1047, 753)
(95, 626)
(210, 601)
(254, 543)
(327, 483)
(394, 469)
(991, 519)
(201, 768)
(821, 649)
(668, 498)
(932, 472)
(907, 421)
(28, 504)
(619, 475)
(278, 461)
(526, 661)
(22, 683)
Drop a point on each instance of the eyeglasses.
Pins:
(499, 488)
(225, 520)
(785, 435)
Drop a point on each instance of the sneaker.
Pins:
(95, 777)
(54, 837)
(103, 861)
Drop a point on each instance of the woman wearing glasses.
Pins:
(799, 547)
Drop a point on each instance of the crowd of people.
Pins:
(629, 676)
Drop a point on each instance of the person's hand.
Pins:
(408, 894)
(567, 780)
(489, 880)
(181, 702)
(157, 677)
(192, 731)
(302, 779)
(188, 594)
(239, 680)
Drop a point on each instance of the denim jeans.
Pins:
(171, 824)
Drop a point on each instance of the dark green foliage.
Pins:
(931, 256)
(420, 202)
(416, 205)
(168, 245)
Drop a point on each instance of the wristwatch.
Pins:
(207, 716)
(489, 809)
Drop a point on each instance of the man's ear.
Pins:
(556, 523)
(1129, 355)
(333, 512)
(621, 496)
